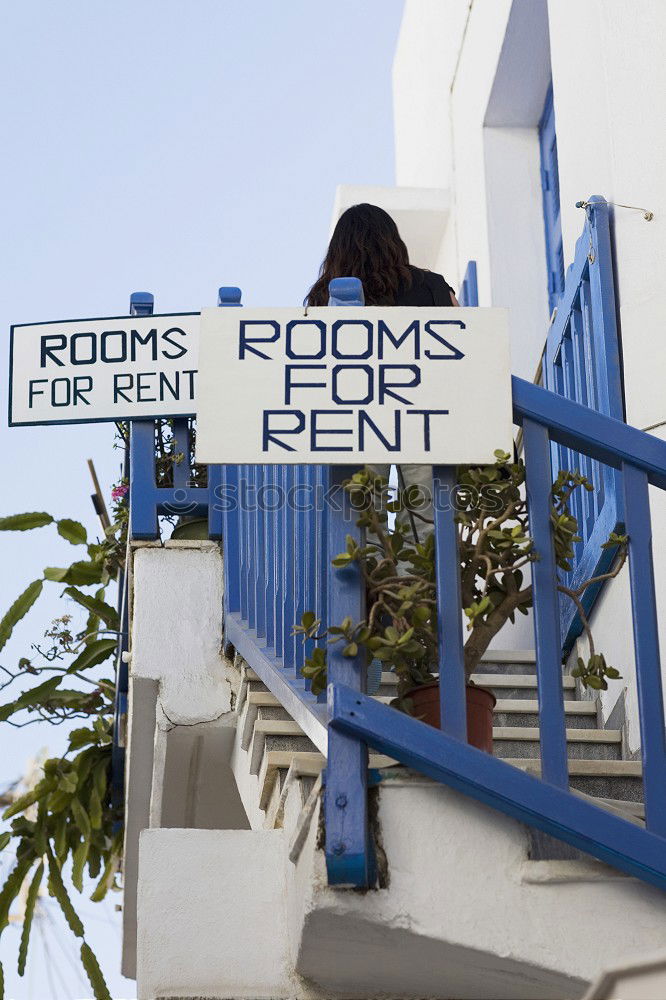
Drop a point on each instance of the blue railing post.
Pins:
(552, 723)
(223, 504)
(349, 855)
(453, 709)
(141, 304)
(646, 645)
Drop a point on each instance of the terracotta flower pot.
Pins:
(480, 705)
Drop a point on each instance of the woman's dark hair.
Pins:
(365, 244)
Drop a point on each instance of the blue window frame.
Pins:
(550, 187)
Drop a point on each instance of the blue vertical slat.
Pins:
(289, 600)
(251, 541)
(646, 646)
(243, 531)
(469, 290)
(550, 187)
(269, 552)
(449, 607)
(300, 558)
(554, 768)
(231, 536)
(259, 555)
(278, 559)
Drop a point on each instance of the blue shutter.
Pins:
(550, 186)
(582, 363)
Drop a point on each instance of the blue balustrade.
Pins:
(303, 543)
(277, 564)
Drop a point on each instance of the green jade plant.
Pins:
(495, 547)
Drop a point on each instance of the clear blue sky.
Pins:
(170, 147)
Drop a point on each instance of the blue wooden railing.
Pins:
(279, 538)
(582, 363)
(283, 567)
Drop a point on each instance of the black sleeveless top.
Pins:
(427, 289)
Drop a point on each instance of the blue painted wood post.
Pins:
(223, 501)
(141, 304)
(554, 767)
(449, 606)
(349, 856)
(143, 511)
(646, 646)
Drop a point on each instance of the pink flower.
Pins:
(118, 492)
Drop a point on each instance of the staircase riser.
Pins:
(573, 721)
(294, 744)
(505, 668)
(629, 789)
(529, 749)
(273, 712)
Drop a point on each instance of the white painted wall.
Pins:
(469, 84)
(465, 915)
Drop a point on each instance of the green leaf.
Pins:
(4, 839)
(84, 573)
(23, 802)
(18, 610)
(94, 973)
(81, 817)
(103, 610)
(12, 887)
(31, 899)
(56, 574)
(96, 652)
(72, 531)
(60, 893)
(25, 522)
(79, 859)
(350, 650)
(29, 699)
(81, 737)
(95, 809)
(106, 880)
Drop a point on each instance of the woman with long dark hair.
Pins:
(366, 244)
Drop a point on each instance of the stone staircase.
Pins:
(273, 757)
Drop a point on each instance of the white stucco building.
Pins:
(507, 113)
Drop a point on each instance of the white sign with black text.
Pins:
(341, 385)
(119, 368)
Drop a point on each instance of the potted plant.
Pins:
(398, 568)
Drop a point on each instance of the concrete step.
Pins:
(515, 686)
(276, 734)
(523, 742)
(620, 780)
(302, 764)
(525, 712)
